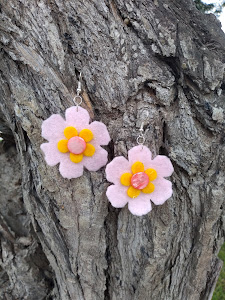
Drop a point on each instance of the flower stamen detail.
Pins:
(133, 193)
(63, 146)
(139, 180)
(152, 174)
(76, 145)
(76, 158)
(72, 151)
(86, 134)
(137, 167)
(90, 150)
(125, 179)
(149, 188)
(70, 132)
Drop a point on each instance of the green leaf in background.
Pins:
(219, 293)
(211, 7)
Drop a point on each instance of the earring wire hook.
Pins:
(141, 137)
(78, 99)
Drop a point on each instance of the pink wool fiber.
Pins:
(117, 193)
(53, 132)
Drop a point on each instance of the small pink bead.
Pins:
(139, 180)
(76, 145)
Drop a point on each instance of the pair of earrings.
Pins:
(75, 144)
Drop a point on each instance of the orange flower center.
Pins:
(139, 180)
(76, 145)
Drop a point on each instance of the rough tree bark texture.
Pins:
(60, 239)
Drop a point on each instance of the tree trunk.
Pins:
(61, 239)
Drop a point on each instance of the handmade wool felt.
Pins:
(117, 195)
(140, 153)
(132, 192)
(77, 144)
(163, 191)
(100, 133)
(70, 170)
(137, 167)
(116, 168)
(52, 154)
(70, 132)
(90, 150)
(158, 189)
(86, 134)
(125, 179)
(149, 188)
(140, 208)
(77, 117)
(160, 163)
(76, 158)
(98, 160)
(118, 198)
(53, 127)
(62, 146)
(146, 187)
(152, 174)
(57, 130)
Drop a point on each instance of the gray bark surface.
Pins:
(60, 239)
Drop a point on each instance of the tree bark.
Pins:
(61, 239)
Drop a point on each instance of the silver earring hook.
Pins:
(79, 85)
(78, 99)
(141, 137)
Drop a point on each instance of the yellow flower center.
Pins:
(139, 181)
(77, 144)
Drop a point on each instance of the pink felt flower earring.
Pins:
(73, 142)
(139, 179)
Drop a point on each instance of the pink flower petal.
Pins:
(163, 191)
(101, 135)
(140, 206)
(140, 153)
(77, 117)
(162, 165)
(116, 168)
(53, 127)
(98, 160)
(69, 169)
(52, 154)
(117, 195)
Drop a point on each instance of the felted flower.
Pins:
(139, 180)
(74, 143)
